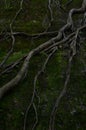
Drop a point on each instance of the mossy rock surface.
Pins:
(71, 114)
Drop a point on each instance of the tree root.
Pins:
(61, 39)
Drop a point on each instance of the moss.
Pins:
(49, 84)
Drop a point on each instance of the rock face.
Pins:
(46, 71)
